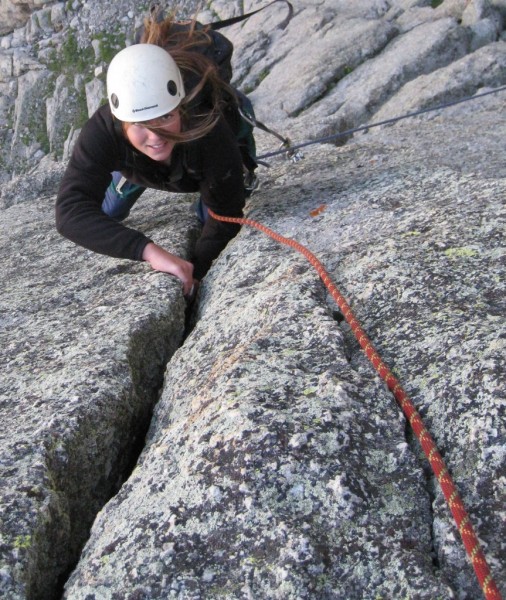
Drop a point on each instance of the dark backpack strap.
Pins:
(226, 22)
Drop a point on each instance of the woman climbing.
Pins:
(172, 123)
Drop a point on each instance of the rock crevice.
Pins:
(276, 463)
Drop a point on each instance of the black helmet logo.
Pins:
(114, 100)
(172, 87)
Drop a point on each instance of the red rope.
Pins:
(469, 538)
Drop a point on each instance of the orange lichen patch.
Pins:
(317, 211)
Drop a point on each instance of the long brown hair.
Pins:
(200, 74)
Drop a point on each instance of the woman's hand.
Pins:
(161, 260)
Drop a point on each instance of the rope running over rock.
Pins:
(469, 538)
(291, 149)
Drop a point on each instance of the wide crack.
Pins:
(83, 497)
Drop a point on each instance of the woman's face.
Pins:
(149, 142)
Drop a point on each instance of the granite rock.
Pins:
(276, 463)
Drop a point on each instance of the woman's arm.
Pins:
(79, 215)
(222, 190)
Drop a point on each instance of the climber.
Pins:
(172, 123)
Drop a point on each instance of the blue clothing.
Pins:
(121, 195)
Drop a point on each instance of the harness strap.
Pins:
(285, 141)
(226, 22)
(254, 122)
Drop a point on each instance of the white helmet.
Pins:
(143, 82)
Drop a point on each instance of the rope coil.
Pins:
(457, 508)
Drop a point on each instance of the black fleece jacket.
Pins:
(211, 165)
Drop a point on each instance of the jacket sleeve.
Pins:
(79, 216)
(222, 190)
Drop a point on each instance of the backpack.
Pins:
(221, 48)
(220, 51)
